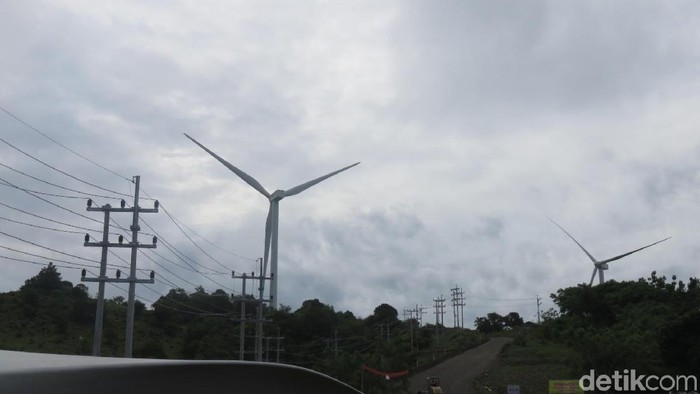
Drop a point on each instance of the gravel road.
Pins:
(456, 374)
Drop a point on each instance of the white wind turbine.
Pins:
(271, 225)
(601, 266)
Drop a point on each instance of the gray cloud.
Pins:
(473, 122)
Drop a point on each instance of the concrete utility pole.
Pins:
(102, 278)
(538, 308)
(420, 311)
(461, 304)
(455, 311)
(242, 319)
(439, 313)
(457, 306)
(409, 313)
(259, 320)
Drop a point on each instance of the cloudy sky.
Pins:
(474, 122)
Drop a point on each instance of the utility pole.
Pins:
(538, 308)
(261, 306)
(132, 280)
(409, 313)
(439, 313)
(420, 311)
(242, 319)
(461, 304)
(279, 338)
(457, 306)
(455, 311)
(259, 320)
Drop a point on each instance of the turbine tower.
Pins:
(271, 225)
(601, 266)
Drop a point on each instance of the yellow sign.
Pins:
(564, 387)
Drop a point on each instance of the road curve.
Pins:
(457, 373)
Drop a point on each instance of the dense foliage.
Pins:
(50, 315)
(650, 325)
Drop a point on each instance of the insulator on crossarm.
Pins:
(155, 240)
(82, 273)
(89, 202)
(121, 239)
(153, 274)
(123, 203)
(156, 204)
(119, 274)
(87, 237)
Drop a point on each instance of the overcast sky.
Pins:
(474, 122)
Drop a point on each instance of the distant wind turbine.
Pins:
(601, 266)
(271, 225)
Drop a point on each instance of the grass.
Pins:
(529, 363)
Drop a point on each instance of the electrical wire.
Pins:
(58, 143)
(50, 220)
(53, 184)
(38, 263)
(61, 171)
(194, 243)
(50, 202)
(47, 248)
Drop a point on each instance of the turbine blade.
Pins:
(304, 186)
(246, 178)
(593, 276)
(574, 239)
(634, 251)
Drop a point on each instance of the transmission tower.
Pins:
(131, 279)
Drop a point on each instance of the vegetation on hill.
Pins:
(650, 325)
(48, 314)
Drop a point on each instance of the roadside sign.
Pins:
(564, 387)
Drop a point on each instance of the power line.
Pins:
(53, 184)
(195, 244)
(46, 258)
(61, 171)
(51, 220)
(38, 263)
(51, 202)
(41, 227)
(503, 299)
(47, 248)
(42, 193)
(169, 246)
(17, 118)
(174, 219)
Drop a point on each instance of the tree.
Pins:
(493, 322)
(512, 320)
(47, 280)
(383, 313)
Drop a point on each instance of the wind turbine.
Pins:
(601, 266)
(271, 225)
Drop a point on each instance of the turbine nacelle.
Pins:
(277, 195)
(602, 266)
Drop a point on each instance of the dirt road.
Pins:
(456, 374)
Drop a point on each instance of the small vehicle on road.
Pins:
(433, 386)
